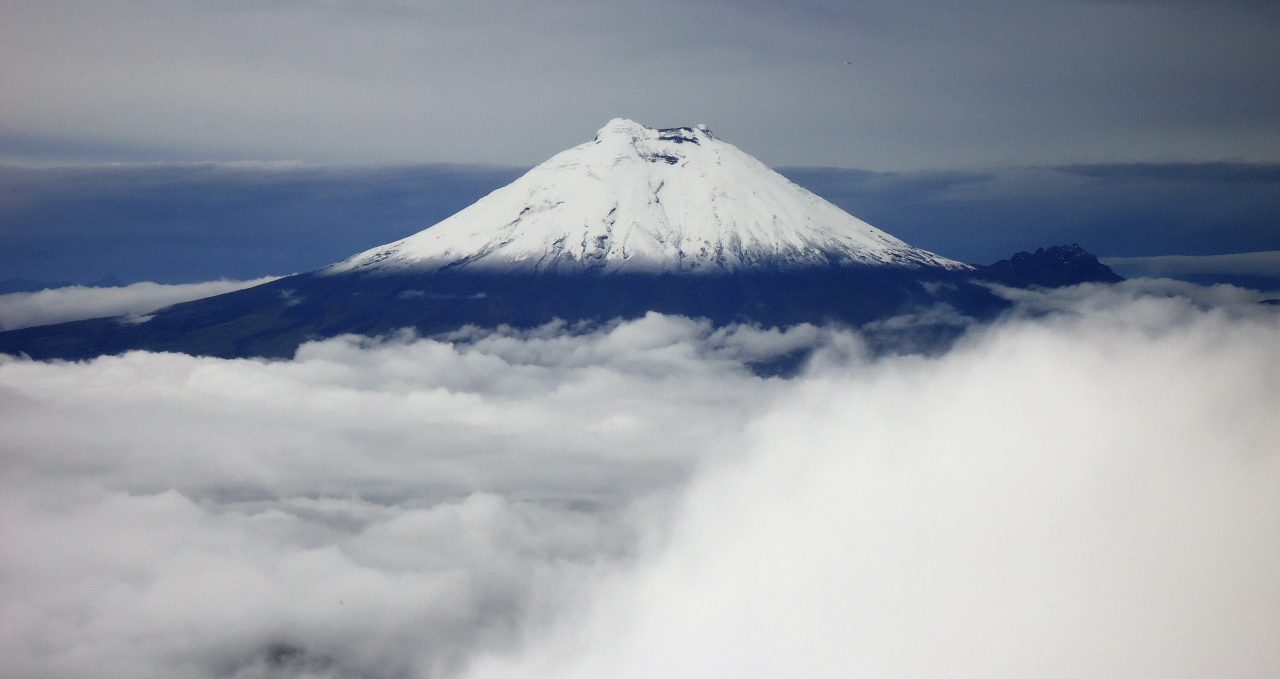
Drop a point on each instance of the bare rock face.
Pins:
(643, 200)
(1051, 267)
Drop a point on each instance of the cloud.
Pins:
(1086, 488)
(58, 305)
(908, 84)
(371, 508)
(1265, 265)
(1092, 493)
(1097, 298)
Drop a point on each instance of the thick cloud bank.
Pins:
(1090, 487)
(76, 302)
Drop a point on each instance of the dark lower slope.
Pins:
(272, 320)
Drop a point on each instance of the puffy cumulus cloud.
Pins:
(76, 302)
(1093, 493)
(1088, 487)
(372, 508)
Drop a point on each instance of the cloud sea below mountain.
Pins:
(1085, 486)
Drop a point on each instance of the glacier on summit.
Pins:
(638, 199)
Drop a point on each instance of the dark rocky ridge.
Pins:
(1051, 267)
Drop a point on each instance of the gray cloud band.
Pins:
(881, 85)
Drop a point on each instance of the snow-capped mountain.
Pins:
(638, 220)
(637, 199)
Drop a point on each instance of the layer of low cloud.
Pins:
(1060, 498)
(1261, 265)
(133, 302)
(1087, 487)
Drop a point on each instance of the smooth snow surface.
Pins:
(637, 199)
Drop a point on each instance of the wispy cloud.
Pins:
(1088, 494)
(1264, 265)
(58, 305)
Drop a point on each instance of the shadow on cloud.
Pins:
(1087, 487)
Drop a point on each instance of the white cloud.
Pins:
(77, 302)
(1264, 264)
(1089, 489)
(1088, 495)
(369, 508)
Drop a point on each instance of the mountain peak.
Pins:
(630, 131)
(641, 199)
(1052, 267)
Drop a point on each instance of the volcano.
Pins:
(636, 220)
(640, 200)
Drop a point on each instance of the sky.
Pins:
(875, 85)
(1086, 488)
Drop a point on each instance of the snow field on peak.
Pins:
(638, 199)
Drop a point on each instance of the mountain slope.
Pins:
(638, 220)
(637, 199)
